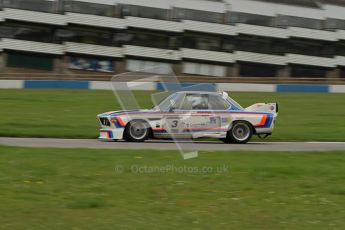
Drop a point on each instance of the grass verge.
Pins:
(72, 113)
(127, 189)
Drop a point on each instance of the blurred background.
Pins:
(202, 41)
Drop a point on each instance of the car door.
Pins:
(196, 114)
(220, 114)
(176, 120)
(202, 120)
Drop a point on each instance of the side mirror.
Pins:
(172, 108)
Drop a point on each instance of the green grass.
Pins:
(96, 189)
(72, 113)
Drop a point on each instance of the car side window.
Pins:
(186, 103)
(195, 102)
(217, 103)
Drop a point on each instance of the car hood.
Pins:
(120, 112)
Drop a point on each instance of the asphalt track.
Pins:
(170, 145)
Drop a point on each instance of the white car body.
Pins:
(191, 114)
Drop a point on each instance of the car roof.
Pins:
(201, 92)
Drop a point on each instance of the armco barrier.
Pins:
(232, 87)
(31, 84)
(302, 88)
(11, 84)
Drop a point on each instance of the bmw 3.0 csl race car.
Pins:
(191, 114)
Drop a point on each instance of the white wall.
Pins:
(332, 11)
(105, 2)
(244, 6)
(163, 4)
(210, 6)
(252, 7)
(272, 9)
(11, 84)
(204, 69)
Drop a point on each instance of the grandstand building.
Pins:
(229, 38)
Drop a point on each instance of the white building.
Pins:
(227, 38)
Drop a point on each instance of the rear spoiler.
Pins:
(263, 107)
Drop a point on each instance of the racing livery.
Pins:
(191, 114)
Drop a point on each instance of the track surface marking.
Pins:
(170, 145)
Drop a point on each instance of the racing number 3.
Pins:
(174, 123)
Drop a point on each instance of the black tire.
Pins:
(136, 131)
(240, 133)
(224, 140)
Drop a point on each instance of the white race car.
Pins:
(191, 114)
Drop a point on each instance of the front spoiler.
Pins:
(111, 134)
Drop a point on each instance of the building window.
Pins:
(30, 33)
(334, 24)
(261, 45)
(291, 21)
(204, 69)
(148, 66)
(147, 39)
(97, 37)
(144, 12)
(202, 42)
(88, 8)
(312, 48)
(197, 15)
(228, 45)
(342, 72)
(34, 5)
(253, 19)
(340, 49)
(30, 61)
(91, 64)
(248, 69)
(304, 71)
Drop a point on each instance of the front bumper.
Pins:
(111, 134)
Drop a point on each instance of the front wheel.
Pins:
(240, 133)
(136, 131)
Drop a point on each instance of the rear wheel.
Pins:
(240, 133)
(136, 131)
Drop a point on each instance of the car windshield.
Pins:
(169, 102)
